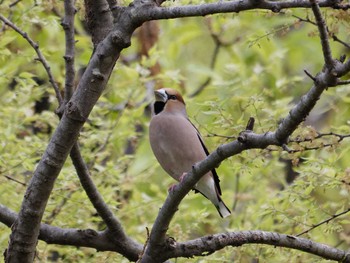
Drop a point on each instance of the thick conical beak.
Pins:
(161, 95)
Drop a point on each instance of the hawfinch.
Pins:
(177, 145)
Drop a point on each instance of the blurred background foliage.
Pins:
(258, 72)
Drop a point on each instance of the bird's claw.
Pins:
(172, 187)
(182, 177)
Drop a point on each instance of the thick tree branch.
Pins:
(155, 13)
(197, 247)
(100, 240)
(41, 57)
(99, 19)
(116, 234)
(209, 244)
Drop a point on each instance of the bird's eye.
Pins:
(172, 97)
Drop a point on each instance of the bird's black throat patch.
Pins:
(158, 107)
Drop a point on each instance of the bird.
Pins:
(178, 145)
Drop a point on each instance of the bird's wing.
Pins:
(215, 175)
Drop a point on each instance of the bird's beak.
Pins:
(161, 95)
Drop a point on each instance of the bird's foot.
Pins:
(182, 177)
(173, 186)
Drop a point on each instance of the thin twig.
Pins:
(343, 82)
(221, 136)
(323, 222)
(68, 26)
(15, 180)
(309, 75)
(307, 20)
(272, 32)
(144, 246)
(41, 57)
(14, 3)
(321, 135)
(309, 140)
(335, 38)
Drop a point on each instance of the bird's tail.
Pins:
(222, 208)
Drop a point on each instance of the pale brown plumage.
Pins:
(177, 145)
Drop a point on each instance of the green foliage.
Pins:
(259, 73)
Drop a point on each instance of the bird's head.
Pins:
(169, 100)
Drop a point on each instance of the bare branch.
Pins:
(307, 20)
(41, 57)
(209, 244)
(14, 3)
(309, 75)
(221, 136)
(343, 82)
(93, 194)
(155, 13)
(335, 38)
(78, 237)
(322, 28)
(68, 26)
(15, 180)
(99, 19)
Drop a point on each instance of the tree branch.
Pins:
(322, 28)
(99, 19)
(100, 240)
(115, 230)
(197, 247)
(69, 57)
(209, 244)
(153, 12)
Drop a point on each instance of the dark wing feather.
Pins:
(215, 175)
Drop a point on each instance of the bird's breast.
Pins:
(175, 144)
